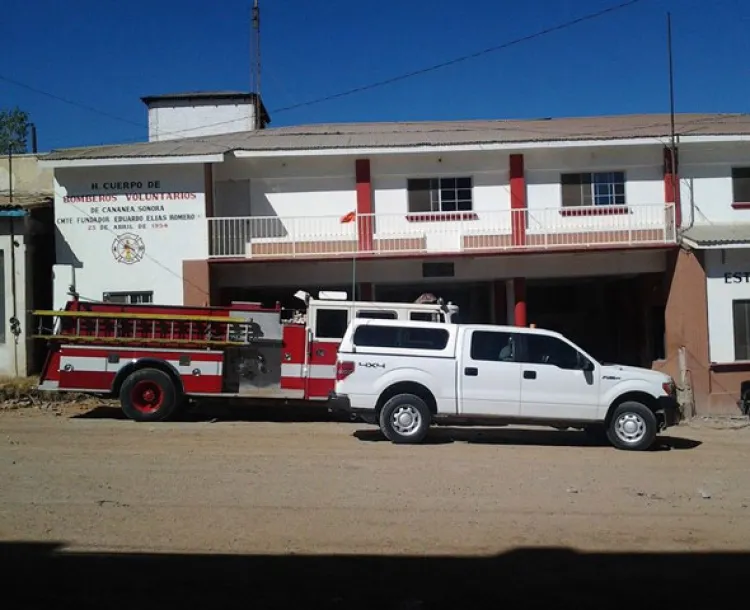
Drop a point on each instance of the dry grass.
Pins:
(13, 388)
(19, 392)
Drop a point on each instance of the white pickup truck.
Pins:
(405, 376)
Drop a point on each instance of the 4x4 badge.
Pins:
(373, 365)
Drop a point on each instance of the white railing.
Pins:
(433, 233)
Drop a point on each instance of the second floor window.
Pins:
(593, 188)
(439, 195)
(741, 184)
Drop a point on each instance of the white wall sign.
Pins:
(129, 229)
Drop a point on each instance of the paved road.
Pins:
(93, 483)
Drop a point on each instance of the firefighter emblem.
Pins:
(128, 248)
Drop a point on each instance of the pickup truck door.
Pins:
(553, 382)
(489, 376)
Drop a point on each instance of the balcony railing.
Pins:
(263, 237)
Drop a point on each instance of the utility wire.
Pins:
(382, 83)
(451, 62)
(67, 101)
(513, 125)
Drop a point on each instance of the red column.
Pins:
(519, 300)
(672, 183)
(365, 221)
(517, 200)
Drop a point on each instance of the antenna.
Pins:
(255, 52)
(672, 149)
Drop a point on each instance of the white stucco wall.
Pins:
(157, 210)
(321, 190)
(706, 181)
(642, 166)
(172, 119)
(727, 279)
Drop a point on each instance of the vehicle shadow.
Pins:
(228, 412)
(40, 575)
(507, 436)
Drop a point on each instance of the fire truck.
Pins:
(157, 359)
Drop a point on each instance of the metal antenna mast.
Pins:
(255, 51)
(672, 143)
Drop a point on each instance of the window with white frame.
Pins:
(129, 298)
(439, 195)
(741, 184)
(593, 188)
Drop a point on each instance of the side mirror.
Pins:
(584, 363)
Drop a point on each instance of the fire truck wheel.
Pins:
(148, 395)
(405, 419)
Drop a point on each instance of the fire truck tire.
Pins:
(405, 419)
(149, 395)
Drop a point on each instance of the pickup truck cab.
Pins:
(404, 376)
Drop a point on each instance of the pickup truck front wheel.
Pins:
(632, 427)
(405, 419)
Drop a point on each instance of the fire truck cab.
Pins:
(157, 358)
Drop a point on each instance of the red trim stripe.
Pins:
(102, 381)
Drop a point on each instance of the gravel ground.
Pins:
(85, 492)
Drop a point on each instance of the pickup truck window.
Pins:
(373, 335)
(493, 346)
(331, 323)
(543, 349)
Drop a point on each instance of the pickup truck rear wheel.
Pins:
(633, 427)
(405, 418)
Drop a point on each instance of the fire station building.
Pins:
(582, 225)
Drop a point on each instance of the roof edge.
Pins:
(210, 95)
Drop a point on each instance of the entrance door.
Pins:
(553, 382)
(326, 330)
(490, 376)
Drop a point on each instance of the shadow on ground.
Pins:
(509, 436)
(44, 576)
(226, 411)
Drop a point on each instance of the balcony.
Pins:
(390, 235)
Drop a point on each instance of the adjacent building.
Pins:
(573, 224)
(27, 254)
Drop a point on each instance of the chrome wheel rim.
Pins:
(406, 420)
(630, 428)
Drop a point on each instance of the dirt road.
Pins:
(98, 483)
(92, 482)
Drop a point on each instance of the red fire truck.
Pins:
(157, 358)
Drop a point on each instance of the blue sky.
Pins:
(107, 54)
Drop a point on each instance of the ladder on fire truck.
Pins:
(132, 328)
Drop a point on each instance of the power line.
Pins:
(451, 62)
(112, 116)
(68, 101)
(382, 83)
